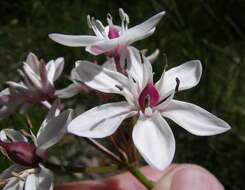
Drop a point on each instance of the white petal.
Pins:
(13, 184)
(50, 66)
(188, 73)
(74, 40)
(152, 57)
(55, 129)
(45, 179)
(59, 66)
(195, 119)
(155, 141)
(100, 78)
(54, 69)
(53, 112)
(142, 30)
(33, 62)
(31, 182)
(110, 64)
(69, 91)
(135, 68)
(18, 86)
(100, 121)
(33, 77)
(104, 46)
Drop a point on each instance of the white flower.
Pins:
(28, 169)
(110, 39)
(151, 102)
(37, 85)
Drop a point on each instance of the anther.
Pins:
(177, 84)
(147, 101)
(141, 58)
(119, 87)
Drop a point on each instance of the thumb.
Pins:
(188, 177)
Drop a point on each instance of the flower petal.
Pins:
(195, 119)
(188, 73)
(54, 69)
(100, 78)
(142, 30)
(45, 179)
(139, 70)
(50, 66)
(72, 90)
(74, 40)
(155, 141)
(103, 46)
(31, 182)
(33, 62)
(13, 184)
(55, 129)
(100, 121)
(33, 77)
(52, 113)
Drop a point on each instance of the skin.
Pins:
(175, 177)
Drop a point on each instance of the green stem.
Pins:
(141, 177)
(79, 169)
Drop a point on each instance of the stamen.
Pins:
(125, 19)
(177, 85)
(133, 80)
(125, 64)
(14, 174)
(147, 101)
(99, 26)
(89, 21)
(121, 13)
(163, 100)
(141, 58)
(119, 87)
(109, 19)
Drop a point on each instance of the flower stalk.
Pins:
(141, 177)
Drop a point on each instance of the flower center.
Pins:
(149, 97)
(113, 32)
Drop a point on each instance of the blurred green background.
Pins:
(212, 31)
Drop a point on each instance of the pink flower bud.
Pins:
(22, 153)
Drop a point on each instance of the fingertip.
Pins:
(188, 177)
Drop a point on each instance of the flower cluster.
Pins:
(127, 75)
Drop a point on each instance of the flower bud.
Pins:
(22, 153)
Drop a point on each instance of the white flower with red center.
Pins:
(151, 102)
(110, 39)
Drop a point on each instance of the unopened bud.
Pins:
(22, 153)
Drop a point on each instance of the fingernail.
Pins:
(193, 178)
